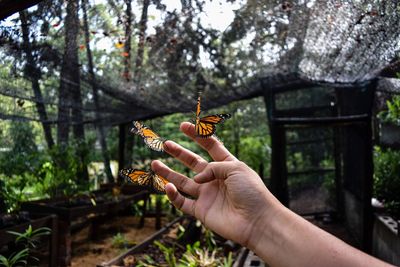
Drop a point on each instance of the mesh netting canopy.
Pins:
(179, 48)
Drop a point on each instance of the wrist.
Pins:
(268, 232)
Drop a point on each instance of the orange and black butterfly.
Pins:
(205, 126)
(147, 179)
(151, 139)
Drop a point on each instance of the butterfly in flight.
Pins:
(151, 139)
(147, 179)
(205, 126)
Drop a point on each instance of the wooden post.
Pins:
(158, 212)
(121, 148)
(358, 157)
(278, 184)
(64, 243)
(54, 241)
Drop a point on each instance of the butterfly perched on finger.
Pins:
(150, 138)
(205, 126)
(146, 179)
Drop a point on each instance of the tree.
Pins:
(69, 93)
(100, 128)
(32, 73)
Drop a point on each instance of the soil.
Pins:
(86, 253)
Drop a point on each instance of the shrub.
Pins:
(387, 179)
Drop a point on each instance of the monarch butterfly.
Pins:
(151, 139)
(148, 179)
(205, 126)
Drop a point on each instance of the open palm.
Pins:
(226, 195)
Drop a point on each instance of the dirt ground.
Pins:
(87, 253)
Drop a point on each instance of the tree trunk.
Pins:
(100, 128)
(69, 73)
(127, 44)
(140, 50)
(32, 73)
(121, 149)
(70, 95)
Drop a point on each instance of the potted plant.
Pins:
(389, 123)
(386, 241)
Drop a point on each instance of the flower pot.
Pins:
(386, 240)
(389, 135)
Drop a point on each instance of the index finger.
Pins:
(215, 148)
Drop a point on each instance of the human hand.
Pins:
(227, 196)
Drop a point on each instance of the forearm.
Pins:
(286, 239)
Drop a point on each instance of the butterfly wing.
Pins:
(198, 110)
(137, 128)
(215, 119)
(148, 179)
(150, 138)
(153, 140)
(159, 183)
(204, 129)
(205, 126)
(137, 177)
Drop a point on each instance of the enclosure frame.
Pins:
(351, 119)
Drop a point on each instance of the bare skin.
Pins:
(247, 213)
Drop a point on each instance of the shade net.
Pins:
(150, 58)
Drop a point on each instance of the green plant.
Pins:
(392, 114)
(30, 237)
(28, 240)
(197, 257)
(13, 189)
(387, 178)
(120, 241)
(137, 208)
(209, 238)
(15, 259)
(168, 253)
(146, 262)
(228, 261)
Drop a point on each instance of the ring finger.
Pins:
(183, 183)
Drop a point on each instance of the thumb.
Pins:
(214, 170)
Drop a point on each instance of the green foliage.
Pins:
(29, 241)
(392, 114)
(13, 190)
(195, 256)
(59, 175)
(50, 173)
(209, 238)
(29, 238)
(23, 155)
(387, 178)
(246, 133)
(15, 259)
(120, 241)
(168, 253)
(137, 208)
(147, 262)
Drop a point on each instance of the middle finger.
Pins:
(187, 157)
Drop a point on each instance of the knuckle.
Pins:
(182, 183)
